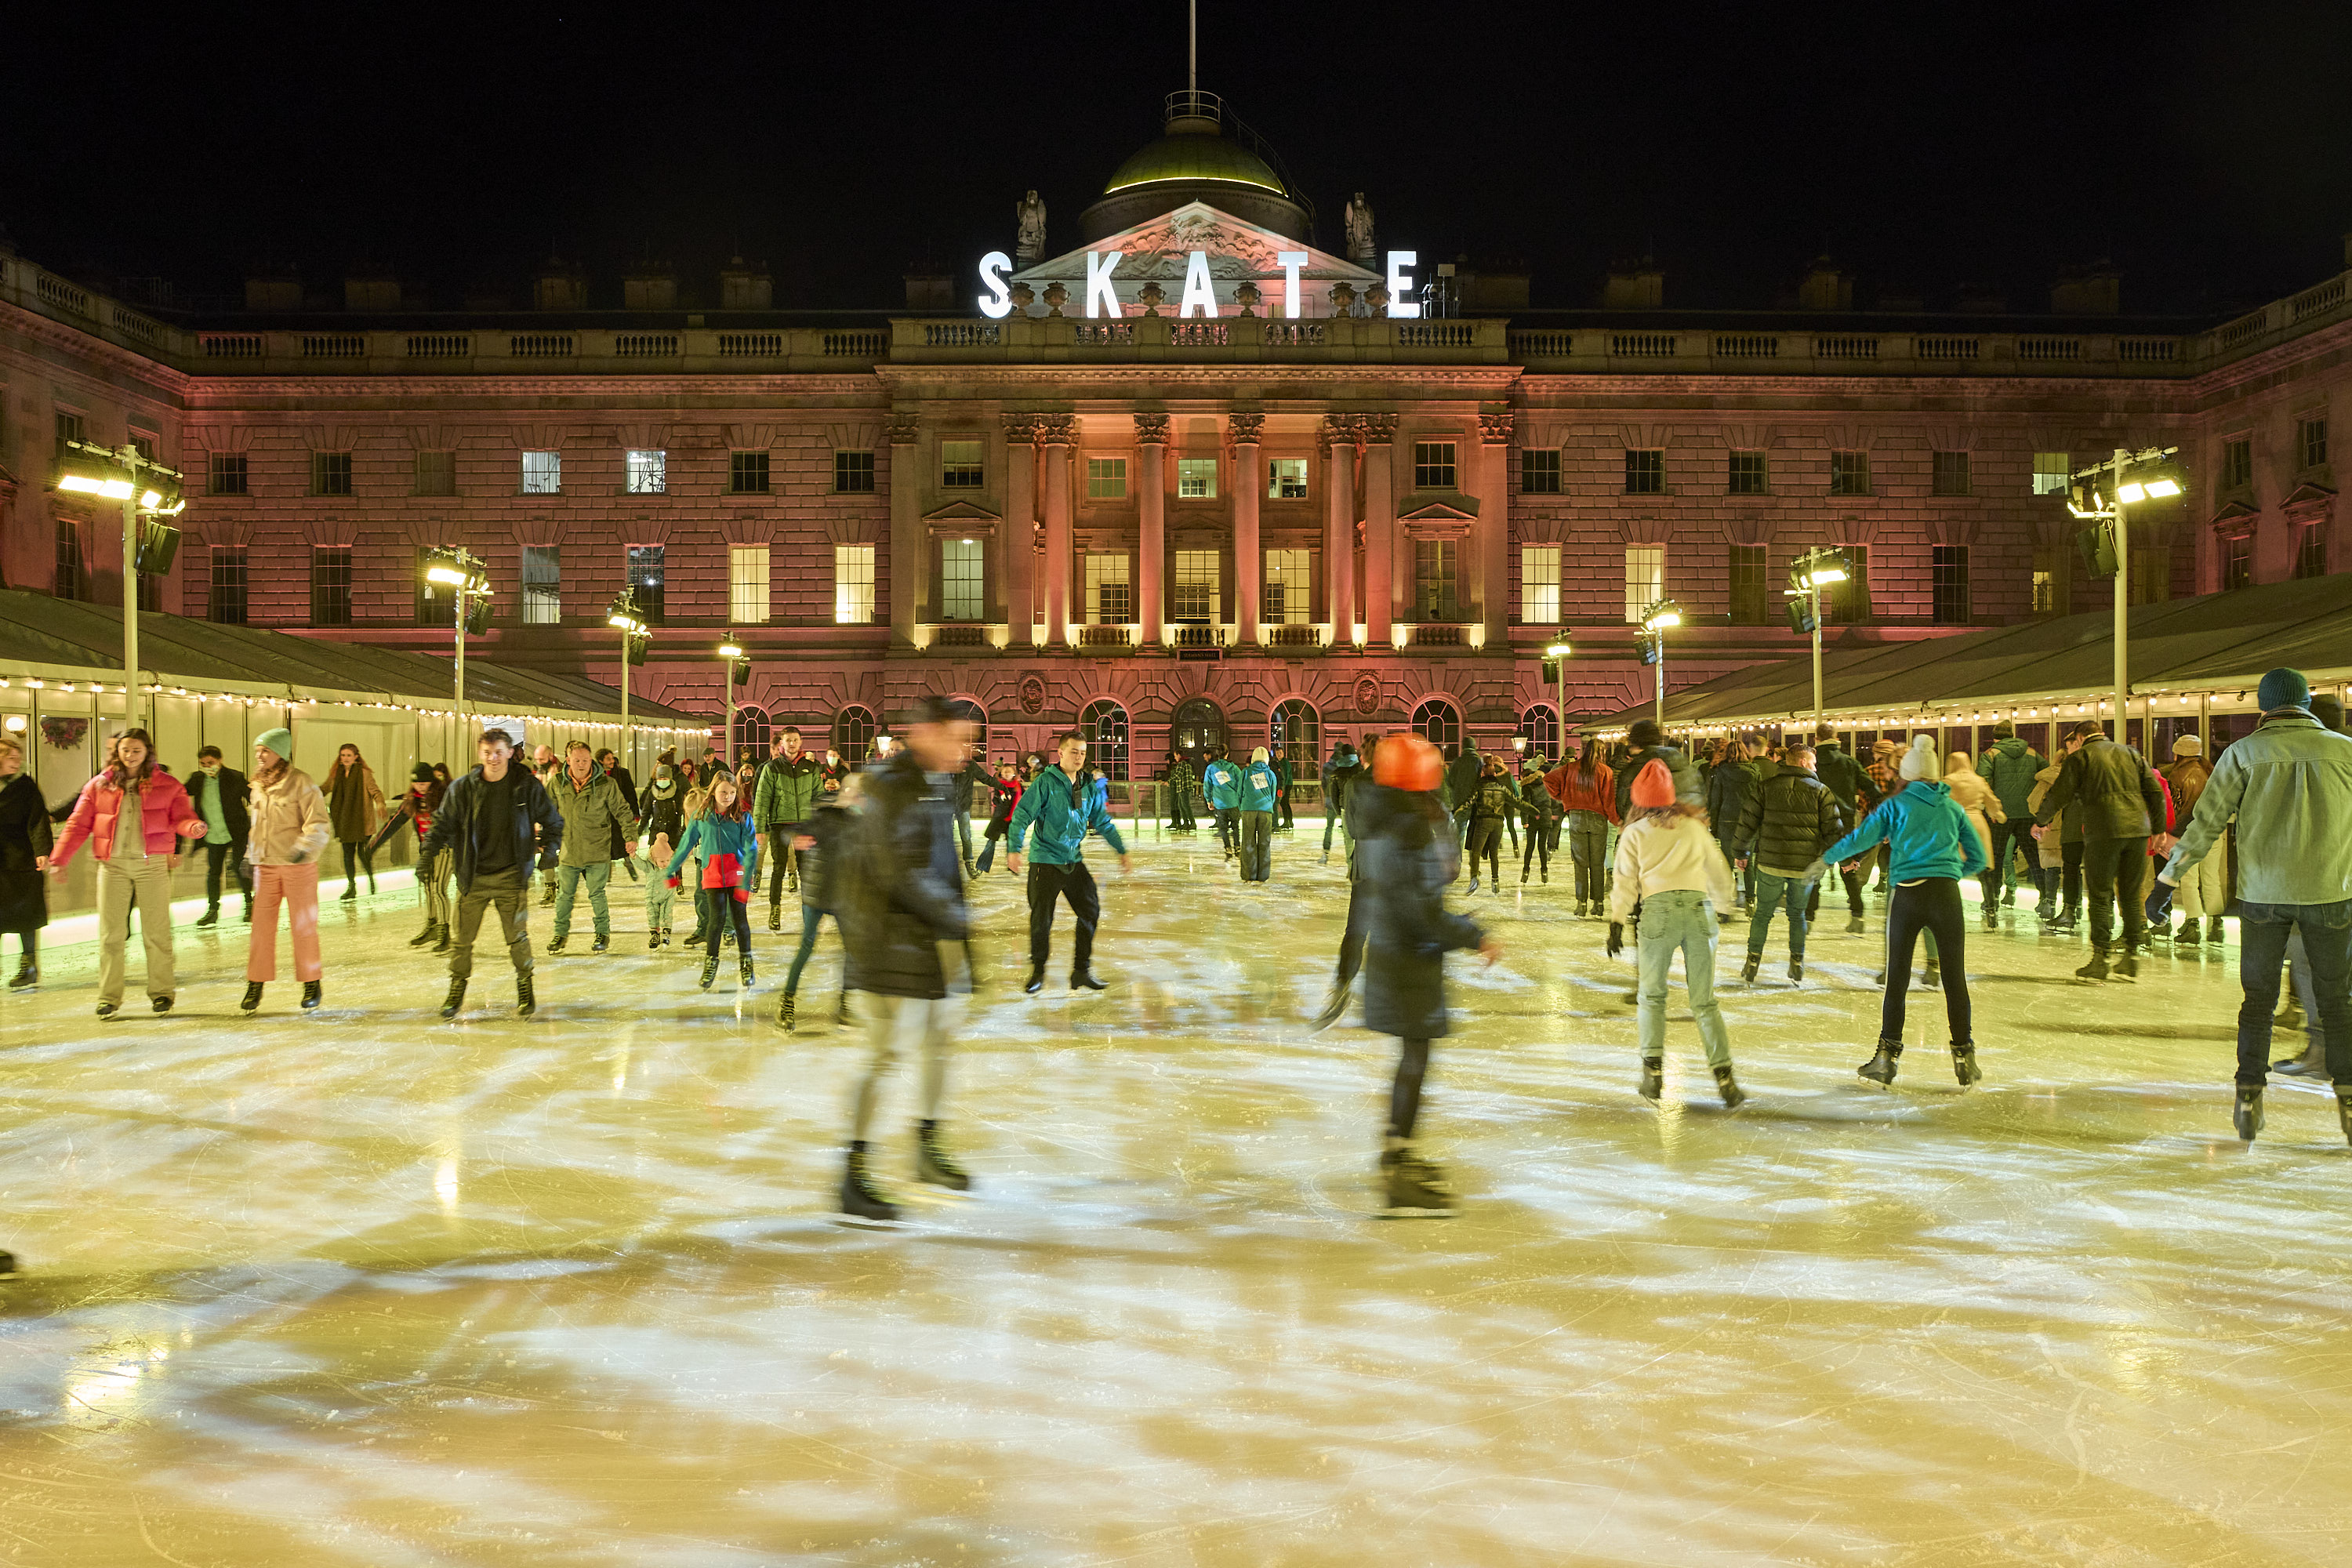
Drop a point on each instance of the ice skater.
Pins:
(1670, 865)
(723, 839)
(1221, 783)
(1062, 809)
(1785, 824)
(1931, 845)
(1408, 853)
(290, 829)
(820, 845)
(1587, 791)
(134, 815)
(487, 823)
(1261, 795)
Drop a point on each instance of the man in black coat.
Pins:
(1461, 775)
(1788, 821)
(1339, 776)
(904, 935)
(2118, 804)
(488, 818)
(220, 794)
(1849, 782)
(1729, 787)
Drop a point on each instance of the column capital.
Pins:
(1377, 429)
(904, 429)
(1244, 429)
(1020, 429)
(1151, 429)
(1495, 429)
(1336, 430)
(1056, 429)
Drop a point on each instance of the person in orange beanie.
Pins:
(1670, 865)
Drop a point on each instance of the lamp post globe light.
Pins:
(738, 672)
(145, 487)
(624, 618)
(1808, 575)
(468, 581)
(1660, 614)
(2100, 494)
(1559, 654)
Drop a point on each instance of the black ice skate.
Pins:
(785, 1013)
(456, 999)
(1654, 1080)
(709, 970)
(1733, 1097)
(2097, 968)
(1964, 1062)
(1747, 970)
(1796, 971)
(27, 975)
(312, 994)
(1880, 1068)
(419, 940)
(1417, 1188)
(2127, 965)
(2247, 1113)
(526, 1000)
(933, 1164)
(252, 1003)
(862, 1202)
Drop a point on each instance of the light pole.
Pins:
(1809, 574)
(1655, 619)
(1559, 654)
(468, 582)
(143, 485)
(2090, 502)
(623, 617)
(738, 672)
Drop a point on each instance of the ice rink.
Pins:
(364, 1288)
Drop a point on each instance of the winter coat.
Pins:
(2289, 786)
(459, 827)
(1261, 786)
(1407, 853)
(1536, 805)
(1690, 789)
(1495, 796)
(2113, 792)
(787, 791)
(408, 808)
(1788, 821)
(354, 802)
(1182, 783)
(904, 892)
(1668, 855)
(2187, 778)
(1223, 784)
(1835, 767)
(164, 818)
(2011, 766)
(1003, 797)
(662, 809)
(593, 814)
(828, 826)
(1062, 810)
(235, 794)
(967, 784)
(25, 837)
(1461, 775)
(1600, 795)
(289, 821)
(1974, 794)
(729, 847)
(1929, 834)
(2053, 845)
(1340, 775)
(1728, 790)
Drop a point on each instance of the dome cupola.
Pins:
(1203, 154)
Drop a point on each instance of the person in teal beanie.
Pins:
(1933, 846)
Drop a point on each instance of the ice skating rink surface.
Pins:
(363, 1288)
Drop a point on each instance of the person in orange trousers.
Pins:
(291, 827)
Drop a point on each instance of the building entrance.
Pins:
(1198, 731)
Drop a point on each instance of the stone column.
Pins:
(1151, 533)
(1380, 530)
(1249, 557)
(1337, 439)
(1058, 433)
(1492, 531)
(1014, 551)
(908, 579)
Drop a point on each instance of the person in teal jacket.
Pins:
(1933, 846)
(1063, 807)
(1261, 788)
(730, 847)
(1221, 783)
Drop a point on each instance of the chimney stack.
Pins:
(1634, 286)
(279, 288)
(1824, 288)
(2092, 290)
(559, 286)
(743, 286)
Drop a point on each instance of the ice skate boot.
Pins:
(776, 912)
(1416, 1187)
(252, 1003)
(27, 975)
(441, 938)
(1880, 1068)
(1653, 1079)
(653, 940)
(1991, 916)
(1935, 978)
(420, 939)
(7, 1266)
(1084, 980)
(2097, 969)
(785, 1013)
(526, 999)
(1747, 970)
(1474, 884)
(709, 970)
(1733, 1097)
(2213, 936)
(2344, 1112)
(744, 969)
(1036, 982)
(861, 1200)
(1964, 1062)
(455, 1000)
(2127, 964)
(1854, 926)
(314, 992)
(2189, 935)
(1796, 971)
(933, 1164)
(2247, 1113)
(1328, 1014)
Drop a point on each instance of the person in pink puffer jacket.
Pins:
(137, 852)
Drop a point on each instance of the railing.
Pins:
(1436, 336)
(1542, 345)
(1437, 634)
(2147, 351)
(963, 634)
(1295, 334)
(960, 334)
(645, 345)
(334, 345)
(2244, 330)
(55, 290)
(1197, 636)
(132, 324)
(542, 345)
(750, 345)
(1101, 334)
(871, 343)
(1947, 348)
(440, 345)
(1846, 346)
(1200, 336)
(1642, 345)
(2314, 302)
(1104, 636)
(1295, 635)
(2049, 349)
(1747, 345)
(232, 346)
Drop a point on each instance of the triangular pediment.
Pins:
(2308, 497)
(963, 511)
(1465, 509)
(1159, 250)
(2233, 514)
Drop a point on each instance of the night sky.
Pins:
(2207, 150)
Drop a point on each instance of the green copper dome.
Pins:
(1193, 155)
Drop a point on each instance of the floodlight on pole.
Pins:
(144, 486)
(1560, 653)
(2160, 479)
(736, 659)
(623, 617)
(1655, 618)
(468, 579)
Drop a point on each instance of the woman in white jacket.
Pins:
(1669, 864)
(1972, 792)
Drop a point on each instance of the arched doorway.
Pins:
(1539, 727)
(1295, 735)
(1104, 724)
(752, 730)
(852, 734)
(1197, 732)
(965, 708)
(1439, 722)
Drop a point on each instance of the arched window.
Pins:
(1539, 727)
(753, 731)
(1296, 736)
(852, 733)
(1439, 722)
(964, 708)
(1104, 724)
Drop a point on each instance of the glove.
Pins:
(297, 858)
(547, 862)
(1816, 869)
(673, 884)
(1616, 938)
(2159, 905)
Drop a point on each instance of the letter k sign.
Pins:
(1102, 299)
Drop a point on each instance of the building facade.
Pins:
(1215, 489)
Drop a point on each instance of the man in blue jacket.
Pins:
(1261, 791)
(1062, 810)
(1221, 782)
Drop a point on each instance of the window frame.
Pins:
(1279, 471)
(645, 574)
(751, 472)
(232, 587)
(969, 588)
(1095, 570)
(71, 565)
(1949, 594)
(1436, 466)
(1647, 588)
(2237, 466)
(2050, 480)
(330, 474)
(742, 594)
(1849, 602)
(2310, 550)
(434, 472)
(636, 472)
(1288, 572)
(964, 463)
(2237, 561)
(228, 474)
(1747, 573)
(2311, 443)
(1747, 471)
(1645, 471)
(850, 466)
(540, 472)
(1438, 721)
(855, 587)
(2054, 564)
(1535, 580)
(1850, 472)
(539, 596)
(1181, 561)
(327, 563)
(1445, 556)
(1202, 470)
(1539, 471)
(1951, 474)
(1105, 479)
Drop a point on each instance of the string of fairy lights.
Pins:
(2155, 705)
(317, 704)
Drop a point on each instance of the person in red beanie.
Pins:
(1670, 865)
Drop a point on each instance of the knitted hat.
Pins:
(2283, 688)
(279, 741)
(1919, 762)
(421, 773)
(1258, 755)
(2188, 745)
(2004, 730)
(1644, 732)
(1653, 786)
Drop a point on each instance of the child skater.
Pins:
(1669, 865)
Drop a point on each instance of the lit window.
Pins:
(1105, 479)
(1286, 478)
(853, 585)
(331, 473)
(853, 473)
(1645, 578)
(647, 472)
(1539, 584)
(2052, 473)
(1750, 605)
(1645, 473)
(1948, 585)
(960, 466)
(1196, 479)
(2051, 589)
(226, 602)
(1951, 474)
(747, 584)
(2310, 550)
(1849, 473)
(1539, 471)
(436, 473)
(1433, 465)
(228, 475)
(962, 579)
(1289, 581)
(1109, 600)
(1748, 475)
(69, 581)
(1194, 586)
(747, 473)
(2310, 443)
(542, 473)
(542, 585)
(647, 577)
(331, 584)
(1433, 580)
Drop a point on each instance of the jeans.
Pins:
(811, 919)
(1588, 845)
(1773, 893)
(1333, 818)
(568, 880)
(2113, 867)
(1932, 905)
(215, 856)
(297, 887)
(2008, 839)
(503, 892)
(963, 833)
(1486, 843)
(2262, 933)
(1229, 829)
(1257, 845)
(1048, 883)
(895, 1023)
(1680, 920)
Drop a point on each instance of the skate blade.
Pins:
(868, 1222)
(925, 1193)
(1401, 1212)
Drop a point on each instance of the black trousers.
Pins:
(1931, 904)
(1282, 817)
(2071, 876)
(1404, 1094)
(1351, 940)
(1486, 843)
(1541, 837)
(215, 857)
(2008, 838)
(730, 908)
(2111, 866)
(356, 858)
(782, 857)
(1073, 883)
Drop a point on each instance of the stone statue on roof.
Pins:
(1360, 230)
(1029, 246)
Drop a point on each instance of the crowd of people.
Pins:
(1666, 842)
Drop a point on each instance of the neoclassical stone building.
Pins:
(1217, 487)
